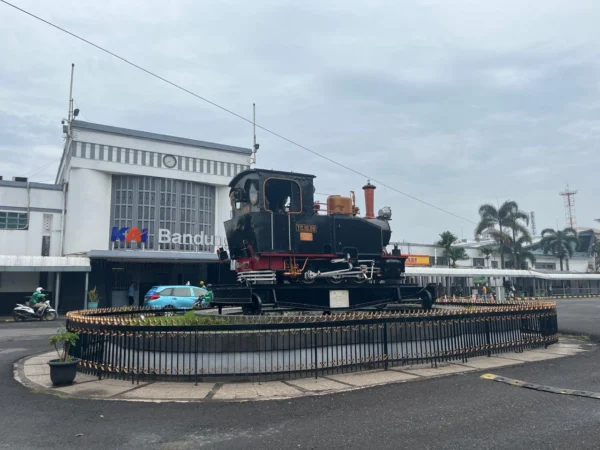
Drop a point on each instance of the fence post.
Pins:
(315, 355)
(487, 337)
(385, 346)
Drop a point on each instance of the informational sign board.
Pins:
(339, 299)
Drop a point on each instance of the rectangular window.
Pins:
(152, 203)
(478, 262)
(13, 220)
(494, 264)
(442, 261)
(545, 266)
(181, 292)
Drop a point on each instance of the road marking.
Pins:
(540, 387)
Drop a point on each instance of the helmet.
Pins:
(39, 290)
(202, 283)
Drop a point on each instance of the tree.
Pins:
(559, 243)
(490, 217)
(488, 252)
(456, 254)
(507, 217)
(521, 252)
(446, 241)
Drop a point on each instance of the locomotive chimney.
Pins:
(369, 200)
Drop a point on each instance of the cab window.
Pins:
(282, 196)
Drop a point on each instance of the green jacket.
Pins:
(208, 297)
(37, 297)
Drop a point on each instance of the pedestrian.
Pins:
(131, 293)
(550, 291)
(484, 291)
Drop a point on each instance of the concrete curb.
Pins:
(33, 373)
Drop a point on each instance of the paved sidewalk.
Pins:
(34, 373)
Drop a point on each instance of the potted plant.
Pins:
(64, 369)
(93, 299)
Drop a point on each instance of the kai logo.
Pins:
(128, 234)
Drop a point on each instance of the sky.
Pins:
(455, 103)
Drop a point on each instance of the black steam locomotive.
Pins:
(279, 234)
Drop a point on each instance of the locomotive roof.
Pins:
(264, 173)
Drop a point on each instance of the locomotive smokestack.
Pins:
(369, 200)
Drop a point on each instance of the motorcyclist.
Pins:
(37, 300)
(207, 299)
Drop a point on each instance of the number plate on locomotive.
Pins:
(304, 228)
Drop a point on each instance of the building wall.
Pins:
(88, 211)
(19, 282)
(43, 203)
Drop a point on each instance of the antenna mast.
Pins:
(569, 196)
(255, 145)
(532, 218)
(70, 116)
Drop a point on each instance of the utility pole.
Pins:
(254, 145)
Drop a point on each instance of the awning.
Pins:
(10, 263)
(153, 256)
(471, 273)
(497, 273)
(571, 276)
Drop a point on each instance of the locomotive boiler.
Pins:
(278, 234)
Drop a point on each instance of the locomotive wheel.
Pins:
(335, 280)
(358, 280)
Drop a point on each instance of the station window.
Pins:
(13, 221)
(478, 262)
(282, 196)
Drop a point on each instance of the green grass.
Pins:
(581, 337)
(189, 318)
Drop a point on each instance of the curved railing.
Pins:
(126, 343)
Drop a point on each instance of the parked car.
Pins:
(173, 297)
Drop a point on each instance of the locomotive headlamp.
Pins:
(385, 213)
(253, 194)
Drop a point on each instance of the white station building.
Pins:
(127, 206)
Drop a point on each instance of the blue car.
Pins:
(173, 297)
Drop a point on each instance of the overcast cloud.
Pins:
(455, 102)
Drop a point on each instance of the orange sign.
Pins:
(417, 260)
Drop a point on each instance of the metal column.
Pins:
(87, 279)
(57, 296)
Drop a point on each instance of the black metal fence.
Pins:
(120, 344)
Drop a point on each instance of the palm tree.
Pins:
(487, 252)
(561, 244)
(521, 252)
(446, 241)
(507, 218)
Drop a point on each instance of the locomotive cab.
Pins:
(270, 191)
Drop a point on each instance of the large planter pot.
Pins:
(62, 373)
(92, 305)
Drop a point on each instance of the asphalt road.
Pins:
(456, 412)
(579, 315)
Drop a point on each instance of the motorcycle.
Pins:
(25, 312)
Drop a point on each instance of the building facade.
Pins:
(145, 208)
(31, 235)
